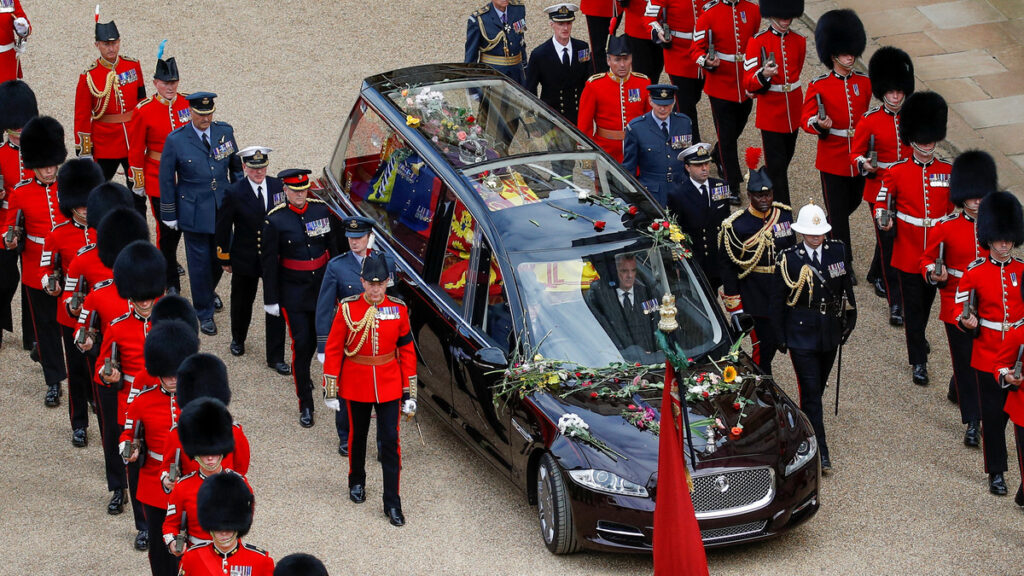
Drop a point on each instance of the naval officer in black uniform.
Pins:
(701, 203)
(560, 66)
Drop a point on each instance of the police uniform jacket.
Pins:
(67, 240)
(38, 203)
(155, 118)
(608, 104)
(997, 287)
(681, 18)
(810, 311)
(244, 559)
(846, 99)
(193, 179)
(750, 243)
(656, 158)
(884, 125)
(920, 194)
(957, 234)
(105, 102)
(700, 218)
(10, 68)
(240, 221)
(500, 46)
(370, 355)
(341, 280)
(155, 408)
(732, 24)
(295, 246)
(560, 87)
(779, 99)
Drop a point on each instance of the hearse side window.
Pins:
(491, 315)
(454, 259)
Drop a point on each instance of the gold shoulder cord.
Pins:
(104, 95)
(755, 245)
(491, 42)
(362, 328)
(805, 279)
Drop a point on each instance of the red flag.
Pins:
(678, 549)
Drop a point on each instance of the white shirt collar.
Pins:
(201, 132)
(812, 251)
(697, 185)
(560, 47)
(254, 185)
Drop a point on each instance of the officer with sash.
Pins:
(496, 36)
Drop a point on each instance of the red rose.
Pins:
(736, 406)
(593, 394)
(637, 364)
(736, 432)
(470, 119)
(632, 407)
(587, 383)
(655, 225)
(599, 225)
(705, 394)
(633, 210)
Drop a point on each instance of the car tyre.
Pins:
(553, 508)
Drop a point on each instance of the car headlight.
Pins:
(805, 452)
(604, 481)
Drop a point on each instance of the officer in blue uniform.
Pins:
(341, 280)
(654, 141)
(198, 164)
(297, 240)
(496, 36)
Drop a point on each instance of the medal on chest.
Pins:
(241, 571)
(223, 149)
(837, 269)
(318, 227)
(938, 180)
(720, 192)
(388, 313)
(679, 142)
(782, 230)
(633, 95)
(127, 77)
(184, 116)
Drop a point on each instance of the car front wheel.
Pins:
(553, 508)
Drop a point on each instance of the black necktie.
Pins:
(504, 18)
(814, 258)
(206, 141)
(704, 192)
(664, 129)
(627, 305)
(259, 193)
(565, 56)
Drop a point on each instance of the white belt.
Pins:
(848, 133)
(920, 222)
(784, 87)
(683, 35)
(155, 456)
(6, 47)
(729, 57)
(36, 239)
(129, 379)
(885, 164)
(1000, 326)
(198, 541)
(955, 273)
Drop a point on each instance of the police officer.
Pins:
(14, 30)
(496, 36)
(654, 141)
(815, 312)
(198, 162)
(108, 92)
(610, 100)
(561, 66)
(750, 241)
(239, 223)
(701, 203)
(297, 241)
(371, 362)
(341, 280)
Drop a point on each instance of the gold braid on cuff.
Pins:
(330, 387)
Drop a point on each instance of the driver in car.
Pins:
(620, 308)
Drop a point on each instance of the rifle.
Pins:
(136, 443)
(78, 296)
(175, 470)
(1017, 365)
(767, 58)
(16, 232)
(182, 536)
(971, 309)
(91, 328)
(821, 108)
(56, 279)
(885, 218)
(839, 362)
(711, 47)
(111, 363)
(940, 263)
(872, 153)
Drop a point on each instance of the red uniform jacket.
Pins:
(960, 247)
(129, 331)
(920, 198)
(884, 125)
(183, 499)
(10, 68)
(600, 8)
(155, 118)
(389, 335)
(12, 173)
(105, 100)
(779, 101)
(681, 17)
(237, 460)
(635, 22)
(1000, 306)
(846, 99)
(1005, 360)
(607, 105)
(42, 215)
(732, 25)
(156, 410)
(67, 239)
(206, 560)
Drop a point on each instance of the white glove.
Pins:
(142, 192)
(120, 448)
(409, 407)
(333, 403)
(21, 26)
(320, 357)
(272, 309)
(172, 224)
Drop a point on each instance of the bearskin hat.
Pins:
(205, 428)
(300, 564)
(174, 307)
(1000, 218)
(923, 118)
(119, 228)
(225, 502)
(140, 271)
(167, 346)
(974, 176)
(891, 69)
(42, 143)
(203, 375)
(839, 32)
(781, 8)
(104, 199)
(75, 179)
(19, 105)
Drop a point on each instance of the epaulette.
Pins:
(254, 548)
(762, 32)
(91, 66)
(792, 248)
(144, 102)
(822, 77)
(85, 249)
(189, 475)
(222, 123)
(22, 183)
(103, 284)
(184, 94)
(732, 217)
(943, 160)
(950, 216)
(352, 298)
(120, 318)
(1018, 259)
(709, 5)
(64, 223)
(640, 75)
(199, 546)
(782, 206)
(482, 10)
(146, 389)
(276, 208)
(859, 73)
(129, 59)
(516, 2)
(904, 161)
(977, 262)
(872, 110)
(396, 300)
(595, 76)
(315, 201)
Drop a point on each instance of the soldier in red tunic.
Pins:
(672, 28)
(1007, 372)
(599, 15)
(994, 317)
(719, 48)
(876, 147)
(844, 95)
(150, 421)
(919, 188)
(610, 100)
(155, 118)
(776, 86)
(14, 30)
(370, 360)
(226, 505)
(19, 107)
(105, 100)
(972, 178)
(42, 146)
(75, 179)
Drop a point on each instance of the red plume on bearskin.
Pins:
(753, 157)
(613, 25)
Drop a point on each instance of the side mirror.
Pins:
(742, 323)
(491, 357)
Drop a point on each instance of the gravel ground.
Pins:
(906, 496)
